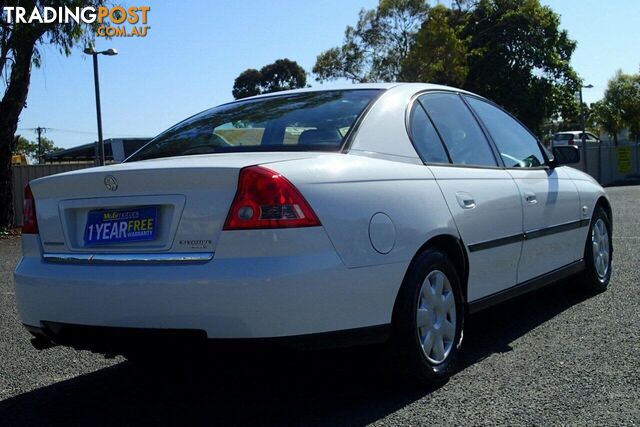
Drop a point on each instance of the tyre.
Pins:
(598, 253)
(428, 320)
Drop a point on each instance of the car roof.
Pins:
(568, 132)
(354, 86)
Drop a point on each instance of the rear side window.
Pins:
(458, 128)
(424, 136)
(563, 136)
(517, 147)
(308, 121)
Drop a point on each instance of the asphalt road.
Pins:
(556, 356)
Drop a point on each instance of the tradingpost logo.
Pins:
(116, 21)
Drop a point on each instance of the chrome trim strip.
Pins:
(533, 234)
(541, 232)
(160, 258)
(497, 242)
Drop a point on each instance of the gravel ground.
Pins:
(556, 356)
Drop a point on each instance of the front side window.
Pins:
(517, 147)
(458, 128)
(424, 136)
(308, 121)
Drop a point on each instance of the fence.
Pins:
(609, 164)
(23, 174)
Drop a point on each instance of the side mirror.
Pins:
(565, 155)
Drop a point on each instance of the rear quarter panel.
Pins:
(346, 191)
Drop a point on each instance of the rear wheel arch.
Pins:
(454, 248)
(410, 359)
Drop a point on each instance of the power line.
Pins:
(83, 132)
(86, 132)
(63, 130)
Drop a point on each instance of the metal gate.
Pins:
(609, 164)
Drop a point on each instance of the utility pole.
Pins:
(40, 131)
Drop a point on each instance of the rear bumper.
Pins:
(112, 340)
(225, 298)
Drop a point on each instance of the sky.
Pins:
(195, 49)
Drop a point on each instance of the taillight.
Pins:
(266, 199)
(29, 220)
(571, 142)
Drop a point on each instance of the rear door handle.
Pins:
(465, 200)
(530, 198)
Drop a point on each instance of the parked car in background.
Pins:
(573, 137)
(382, 213)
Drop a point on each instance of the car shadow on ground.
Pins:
(345, 387)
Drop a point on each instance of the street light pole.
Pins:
(96, 78)
(584, 125)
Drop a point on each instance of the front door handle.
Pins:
(465, 200)
(530, 197)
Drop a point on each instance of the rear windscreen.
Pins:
(306, 121)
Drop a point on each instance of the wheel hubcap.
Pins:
(436, 317)
(600, 248)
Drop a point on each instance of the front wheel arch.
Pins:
(606, 206)
(590, 276)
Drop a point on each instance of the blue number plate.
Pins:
(121, 225)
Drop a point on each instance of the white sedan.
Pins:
(574, 137)
(379, 213)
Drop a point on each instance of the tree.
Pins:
(247, 84)
(608, 118)
(19, 49)
(439, 54)
(24, 146)
(511, 51)
(283, 74)
(31, 148)
(376, 49)
(623, 93)
(620, 107)
(519, 57)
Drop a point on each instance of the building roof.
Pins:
(87, 152)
